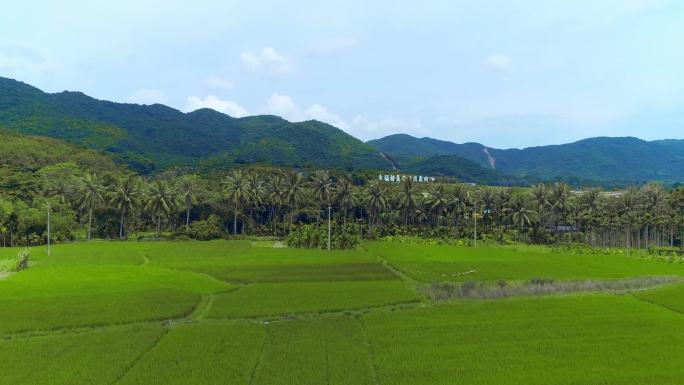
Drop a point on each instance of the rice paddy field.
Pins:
(252, 312)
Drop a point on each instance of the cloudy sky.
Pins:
(507, 73)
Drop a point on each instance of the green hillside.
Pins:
(407, 147)
(606, 161)
(25, 160)
(151, 138)
(462, 169)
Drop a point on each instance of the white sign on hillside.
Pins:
(401, 178)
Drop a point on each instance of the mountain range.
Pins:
(600, 160)
(152, 138)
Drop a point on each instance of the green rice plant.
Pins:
(92, 357)
(670, 297)
(577, 339)
(277, 299)
(437, 263)
(238, 261)
(325, 350)
(203, 353)
(56, 297)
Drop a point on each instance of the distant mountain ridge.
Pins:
(154, 137)
(601, 160)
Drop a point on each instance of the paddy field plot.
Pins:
(435, 263)
(577, 339)
(241, 312)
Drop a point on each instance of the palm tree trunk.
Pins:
(90, 221)
(235, 219)
(187, 218)
(273, 219)
(121, 226)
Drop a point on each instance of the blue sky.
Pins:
(506, 73)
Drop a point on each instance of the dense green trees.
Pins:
(265, 201)
(91, 193)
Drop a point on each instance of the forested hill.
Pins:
(599, 160)
(154, 137)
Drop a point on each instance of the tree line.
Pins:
(269, 201)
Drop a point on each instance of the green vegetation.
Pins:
(90, 357)
(200, 354)
(151, 139)
(594, 161)
(300, 207)
(255, 312)
(156, 137)
(434, 283)
(671, 297)
(326, 350)
(587, 339)
(273, 299)
(431, 263)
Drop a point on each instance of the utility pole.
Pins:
(475, 221)
(48, 229)
(329, 208)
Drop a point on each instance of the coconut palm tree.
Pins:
(589, 211)
(458, 205)
(407, 199)
(438, 202)
(628, 209)
(125, 197)
(519, 211)
(322, 187)
(542, 197)
(561, 204)
(653, 198)
(276, 196)
(295, 192)
(62, 188)
(189, 187)
(91, 193)
(161, 200)
(487, 201)
(376, 201)
(237, 192)
(255, 192)
(344, 197)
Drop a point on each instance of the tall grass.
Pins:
(540, 286)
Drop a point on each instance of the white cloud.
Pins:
(360, 127)
(228, 107)
(284, 106)
(330, 46)
(218, 83)
(147, 96)
(266, 62)
(322, 114)
(366, 129)
(497, 60)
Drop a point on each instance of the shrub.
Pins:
(312, 236)
(22, 259)
(208, 229)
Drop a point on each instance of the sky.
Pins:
(506, 73)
